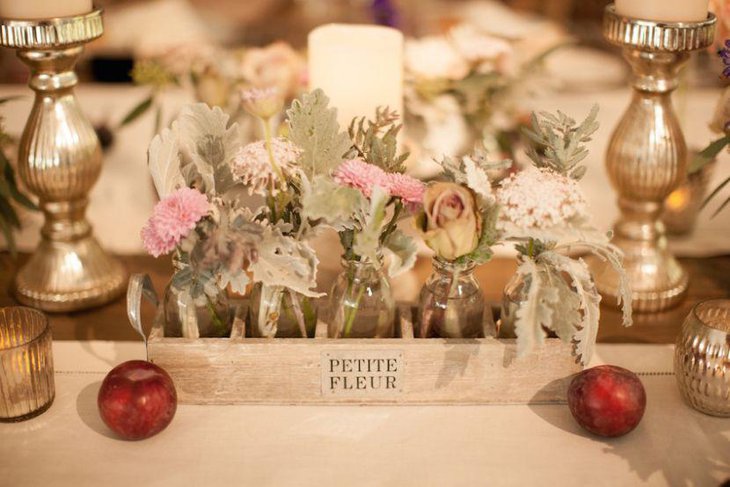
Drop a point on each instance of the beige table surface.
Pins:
(398, 446)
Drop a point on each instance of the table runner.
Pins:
(337, 445)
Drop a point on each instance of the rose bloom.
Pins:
(450, 223)
(435, 57)
(276, 65)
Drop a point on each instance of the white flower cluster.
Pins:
(252, 165)
(540, 199)
(454, 55)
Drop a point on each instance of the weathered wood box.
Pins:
(319, 370)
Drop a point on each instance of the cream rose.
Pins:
(434, 58)
(276, 65)
(450, 223)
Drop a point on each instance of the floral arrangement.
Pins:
(316, 176)
(458, 223)
(464, 86)
(362, 196)
(544, 212)
(196, 166)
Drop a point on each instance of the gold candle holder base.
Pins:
(647, 156)
(59, 161)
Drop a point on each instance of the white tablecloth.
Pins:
(398, 446)
(123, 198)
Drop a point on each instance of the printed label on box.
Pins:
(362, 373)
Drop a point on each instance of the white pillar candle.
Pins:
(43, 9)
(664, 10)
(359, 67)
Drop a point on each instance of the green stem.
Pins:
(271, 203)
(214, 318)
(270, 151)
(351, 312)
(454, 282)
(297, 312)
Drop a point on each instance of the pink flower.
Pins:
(172, 219)
(358, 174)
(409, 189)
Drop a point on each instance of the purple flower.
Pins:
(725, 55)
(385, 13)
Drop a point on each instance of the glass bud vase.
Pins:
(361, 303)
(281, 313)
(451, 303)
(186, 318)
(514, 294)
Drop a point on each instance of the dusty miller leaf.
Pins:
(163, 159)
(586, 328)
(336, 205)
(530, 313)
(566, 307)
(477, 180)
(314, 129)
(285, 261)
(613, 255)
(402, 251)
(366, 243)
(207, 141)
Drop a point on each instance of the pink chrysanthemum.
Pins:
(358, 174)
(172, 219)
(408, 189)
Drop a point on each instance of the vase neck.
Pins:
(361, 269)
(446, 267)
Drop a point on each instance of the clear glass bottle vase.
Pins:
(278, 312)
(514, 296)
(188, 319)
(184, 317)
(361, 303)
(451, 303)
(515, 293)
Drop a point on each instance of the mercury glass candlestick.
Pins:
(647, 156)
(59, 161)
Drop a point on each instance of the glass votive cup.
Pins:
(702, 358)
(26, 364)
